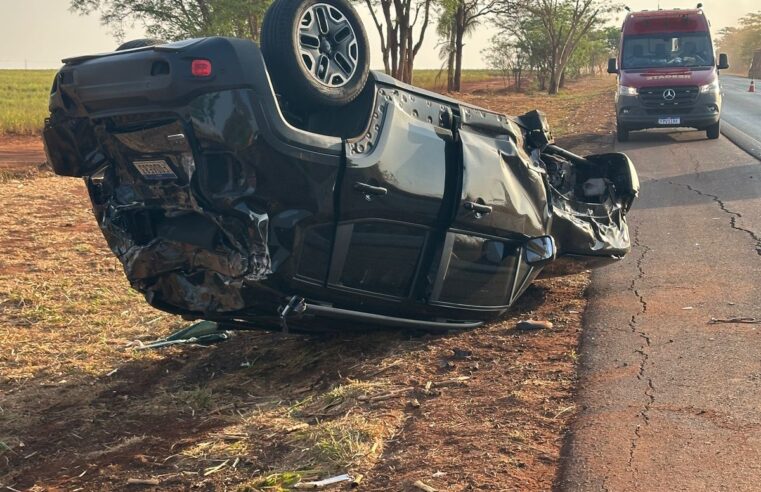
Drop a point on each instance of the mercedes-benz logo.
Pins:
(669, 94)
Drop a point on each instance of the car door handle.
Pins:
(478, 207)
(370, 189)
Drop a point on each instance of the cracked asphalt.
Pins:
(667, 400)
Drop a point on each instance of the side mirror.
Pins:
(612, 65)
(723, 62)
(540, 251)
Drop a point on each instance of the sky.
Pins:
(39, 33)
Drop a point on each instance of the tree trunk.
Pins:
(554, 83)
(396, 34)
(542, 77)
(458, 65)
(554, 74)
(450, 66)
(520, 79)
(459, 34)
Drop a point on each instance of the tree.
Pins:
(565, 24)
(741, 42)
(508, 58)
(592, 52)
(178, 19)
(446, 45)
(527, 35)
(457, 20)
(398, 44)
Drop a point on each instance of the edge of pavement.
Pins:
(738, 137)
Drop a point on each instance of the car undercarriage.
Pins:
(226, 201)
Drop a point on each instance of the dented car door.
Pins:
(391, 196)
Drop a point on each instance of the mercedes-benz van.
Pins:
(668, 73)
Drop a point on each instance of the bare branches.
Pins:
(398, 45)
(427, 11)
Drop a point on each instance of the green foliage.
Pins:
(171, 19)
(507, 57)
(24, 94)
(593, 51)
(741, 42)
(556, 39)
(457, 20)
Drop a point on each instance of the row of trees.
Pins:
(526, 48)
(552, 38)
(741, 42)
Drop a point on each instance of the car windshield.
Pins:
(669, 50)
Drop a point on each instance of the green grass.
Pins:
(24, 95)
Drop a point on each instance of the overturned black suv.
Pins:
(248, 186)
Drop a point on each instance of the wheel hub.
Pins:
(328, 45)
(325, 46)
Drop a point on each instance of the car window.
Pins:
(670, 50)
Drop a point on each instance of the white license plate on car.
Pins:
(671, 120)
(155, 169)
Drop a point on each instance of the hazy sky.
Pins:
(38, 33)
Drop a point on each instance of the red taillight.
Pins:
(200, 68)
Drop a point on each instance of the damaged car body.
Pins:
(403, 207)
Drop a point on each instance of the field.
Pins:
(436, 80)
(81, 409)
(24, 95)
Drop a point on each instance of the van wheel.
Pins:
(622, 134)
(316, 51)
(714, 131)
(139, 43)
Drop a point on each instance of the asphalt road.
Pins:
(742, 113)
(667, 400)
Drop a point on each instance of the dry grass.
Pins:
(585, 106)
(436, 80)
(64, 303)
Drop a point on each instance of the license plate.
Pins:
(158, 169)
(670, 121)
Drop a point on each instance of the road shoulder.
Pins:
(668, 400)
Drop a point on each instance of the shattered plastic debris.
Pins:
(323, 483)
(531, 325)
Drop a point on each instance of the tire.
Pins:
(312, 58)
(139, 43)
(622, 134)
(713, 131)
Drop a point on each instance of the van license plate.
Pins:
(158, 169)
(670, 121)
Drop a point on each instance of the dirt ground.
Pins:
(20, 156)
(80, 409)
